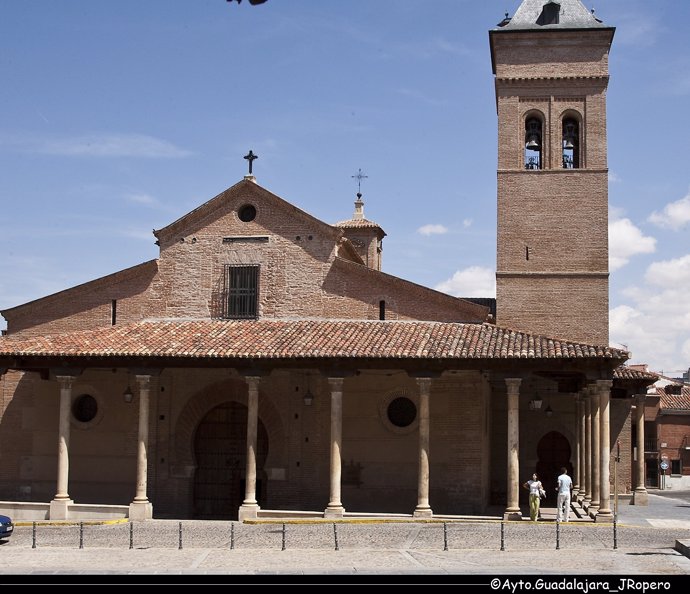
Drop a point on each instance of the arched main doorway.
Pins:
(220, 449)
(553, 452)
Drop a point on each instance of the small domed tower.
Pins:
(365, 235)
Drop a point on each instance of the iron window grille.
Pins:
(241, 292)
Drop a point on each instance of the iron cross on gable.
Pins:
(359, 177)
(250, 157)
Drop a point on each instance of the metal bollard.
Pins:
(335, 535)
(232, 535)
(503, 548)
(282, 549)
(81, 535)
(445, 537)
(131, 535)
(180, 530)
(33, 536)
(615, 536)
(558, 534)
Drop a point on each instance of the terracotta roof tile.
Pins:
(625, 372)
(357, 224)
(674, 397)
(294, 339)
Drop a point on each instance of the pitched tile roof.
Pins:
(628, 373)
(357, 224)
(674, 397)
(296, 339)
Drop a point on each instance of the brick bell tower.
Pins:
(550, 62)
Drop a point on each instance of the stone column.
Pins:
(596, 453)
(59, 506)
(604, 513)
(335, 508)
(576, 466)
(640, 495)
(423, 509)
(581, 441)
(512, 511)
(250, 507)
(141, 508)
(586, 500)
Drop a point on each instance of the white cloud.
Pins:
(670, 273)
(674, 215)
(474, 281)
(432, 230)
(421, 96)
(142, 198)
(467, 223)
(655, 322)
(625, 241)
(613, 177)
(105, 145)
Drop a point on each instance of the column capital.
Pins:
(144, 381)
(65, 381)
(424, 384)
(336, 383)
(604, 384)
(513, 383)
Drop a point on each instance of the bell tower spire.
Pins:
(550, 62)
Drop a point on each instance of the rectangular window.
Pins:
(675, 467)
(113, 312)
(242, 292)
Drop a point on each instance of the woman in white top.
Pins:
(535, 487)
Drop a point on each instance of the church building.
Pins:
(266, 365)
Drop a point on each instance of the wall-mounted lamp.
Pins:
(548, 411)
(308, 397)
(535, 403)
(128, 395)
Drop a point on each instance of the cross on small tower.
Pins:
(250, 157)
(359, 177)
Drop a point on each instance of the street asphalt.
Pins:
(646, 544)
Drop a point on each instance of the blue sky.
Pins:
(116, 118)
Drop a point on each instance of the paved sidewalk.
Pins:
(645, 541)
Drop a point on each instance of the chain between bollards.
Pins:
(335, 535)
(503, 548)
(81, 535)
(33, 536)
(180, 534)
(232, 535)
(445, 537)
(283, 548)
(131, 535)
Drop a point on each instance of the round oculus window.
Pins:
(402, 412)
(247, 213)
(85, 408)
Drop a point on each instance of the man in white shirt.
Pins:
(565, 486)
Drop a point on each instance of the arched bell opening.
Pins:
(534, 142)
(571, 143)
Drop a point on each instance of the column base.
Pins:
(335, 511)
(423, 512)
(640, 496)
(248, 512)
(592, 511)
(140, 510)
(604, 517)
(512, 514)
(59, 509)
